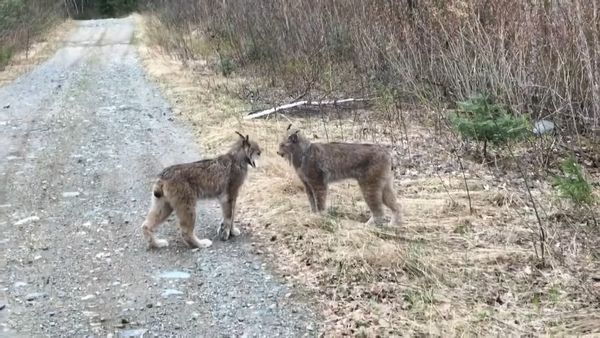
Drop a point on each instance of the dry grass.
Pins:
(445, 272)
(43, 47)
(538, 57)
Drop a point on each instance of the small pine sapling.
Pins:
(573, 184)
(480, 120)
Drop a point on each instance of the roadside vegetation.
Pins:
(94, 9)
(491, 110)
(22, 22)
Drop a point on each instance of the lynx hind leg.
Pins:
(159, 211)
(186, 212)
(319, 191)
(311, 197)
(389, 199)
(373, 195)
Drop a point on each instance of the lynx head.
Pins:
(251, 150)
(292, 144)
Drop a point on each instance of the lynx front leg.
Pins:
(320, 193)
(311, 196)
(227, 209)
(235, 231)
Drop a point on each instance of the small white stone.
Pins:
(171, 292)
(27, 220)
(70, 194)
(543, 127)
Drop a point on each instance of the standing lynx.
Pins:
(180, 186)
(318, 164)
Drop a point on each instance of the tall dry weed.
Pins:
(540, 57)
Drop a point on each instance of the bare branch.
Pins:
(301, 103)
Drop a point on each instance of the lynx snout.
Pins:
(253, 157)
(289, 145)
(251, 149)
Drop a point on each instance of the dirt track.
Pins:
(81, 138)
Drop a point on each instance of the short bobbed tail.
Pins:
(157, 190)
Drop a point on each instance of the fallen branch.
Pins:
(300, 103)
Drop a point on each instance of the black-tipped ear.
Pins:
(248, 139)
(244, 138)
(288, 128)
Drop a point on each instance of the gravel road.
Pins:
(81, 138)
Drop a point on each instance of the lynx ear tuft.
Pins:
(244, 138)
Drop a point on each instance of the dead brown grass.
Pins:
(538, 57)
(43, 47)
(446, 272)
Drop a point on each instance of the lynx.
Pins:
(179, 187)
(318, 164)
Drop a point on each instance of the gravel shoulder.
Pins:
(81, 138)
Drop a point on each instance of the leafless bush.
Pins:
(540, 57)
(22, 20)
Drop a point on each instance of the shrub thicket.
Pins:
(539, 57)
(22, 20)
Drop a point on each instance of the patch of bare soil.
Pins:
(462, 263)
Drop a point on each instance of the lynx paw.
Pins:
(204, 243)
(396, 221)
(374, 221)
(224, 232)
(159, 243)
